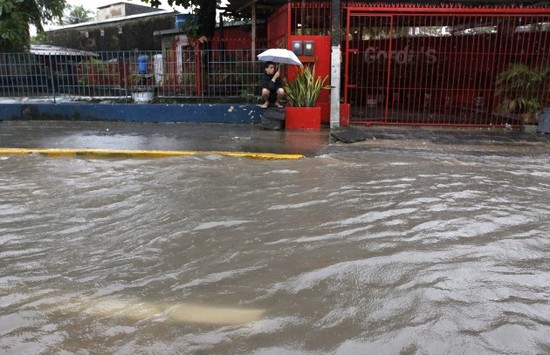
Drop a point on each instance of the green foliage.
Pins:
(234, 77)
(76, 14)
(7, 6)
(305, 89)
(521, 89)
(204, 9)
(191, 28)
(17, 15)
(39, 38)
(14, 32)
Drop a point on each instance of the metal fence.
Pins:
(196, 73)
(434, 66)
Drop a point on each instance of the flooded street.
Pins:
(363, 252)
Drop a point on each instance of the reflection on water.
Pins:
(174, 313)
(364, 252)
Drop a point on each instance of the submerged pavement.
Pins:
(122, 139)
(130, 139)
(468, 140)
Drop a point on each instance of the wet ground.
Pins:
(251, 138)
(158, 136)
(392, 245)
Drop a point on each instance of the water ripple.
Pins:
(365, 252)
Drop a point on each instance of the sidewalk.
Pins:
(454, 135)
(189, 138)
(477, 140)
(192, 138)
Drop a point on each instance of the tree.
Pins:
(205, 10)
(17, 15)
(77, 14)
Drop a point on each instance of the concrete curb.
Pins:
(128, 154)
(193, 113)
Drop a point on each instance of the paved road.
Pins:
(252, 138)
(159, 136)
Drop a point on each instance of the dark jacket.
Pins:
(266, 82)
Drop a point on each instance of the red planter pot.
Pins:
(303, 117)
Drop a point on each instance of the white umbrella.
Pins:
(279, 55)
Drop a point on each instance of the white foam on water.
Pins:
(297, 205)
(211, 225)
(282, 172)
(377, 215)
(215, 277)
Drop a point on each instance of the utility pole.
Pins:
(335, 64)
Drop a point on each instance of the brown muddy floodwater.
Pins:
(363, 252)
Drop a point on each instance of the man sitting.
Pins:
(272, 86)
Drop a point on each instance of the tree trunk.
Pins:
(207, 19)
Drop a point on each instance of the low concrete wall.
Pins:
(206, 113)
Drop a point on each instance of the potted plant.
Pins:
(521, 91)
(302, 93)
(141, 91)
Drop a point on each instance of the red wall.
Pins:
(239, 37)
(321, 60)
(279, 35)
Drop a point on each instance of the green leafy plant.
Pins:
(521, 90)
(304, 90)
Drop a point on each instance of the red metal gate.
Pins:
(440, 65)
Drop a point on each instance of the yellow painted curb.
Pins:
(116, 153)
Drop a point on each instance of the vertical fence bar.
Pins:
(52, 80)
(480, 78)
(388, 78)
(451, 71)
(347, 55)
(3, 73)
(452, 61)
(124, 79)
(409, 79)
(545, 60)
(388, 72)
(229, 74)
(431, 80)
(12, 60)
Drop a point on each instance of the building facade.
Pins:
(419, 63)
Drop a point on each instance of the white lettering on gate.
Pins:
(403, 56)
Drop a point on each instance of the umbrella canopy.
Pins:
(279, 55)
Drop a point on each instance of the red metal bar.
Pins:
(458, 86)
(456, 10)
(347, 57)
(388, 76)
